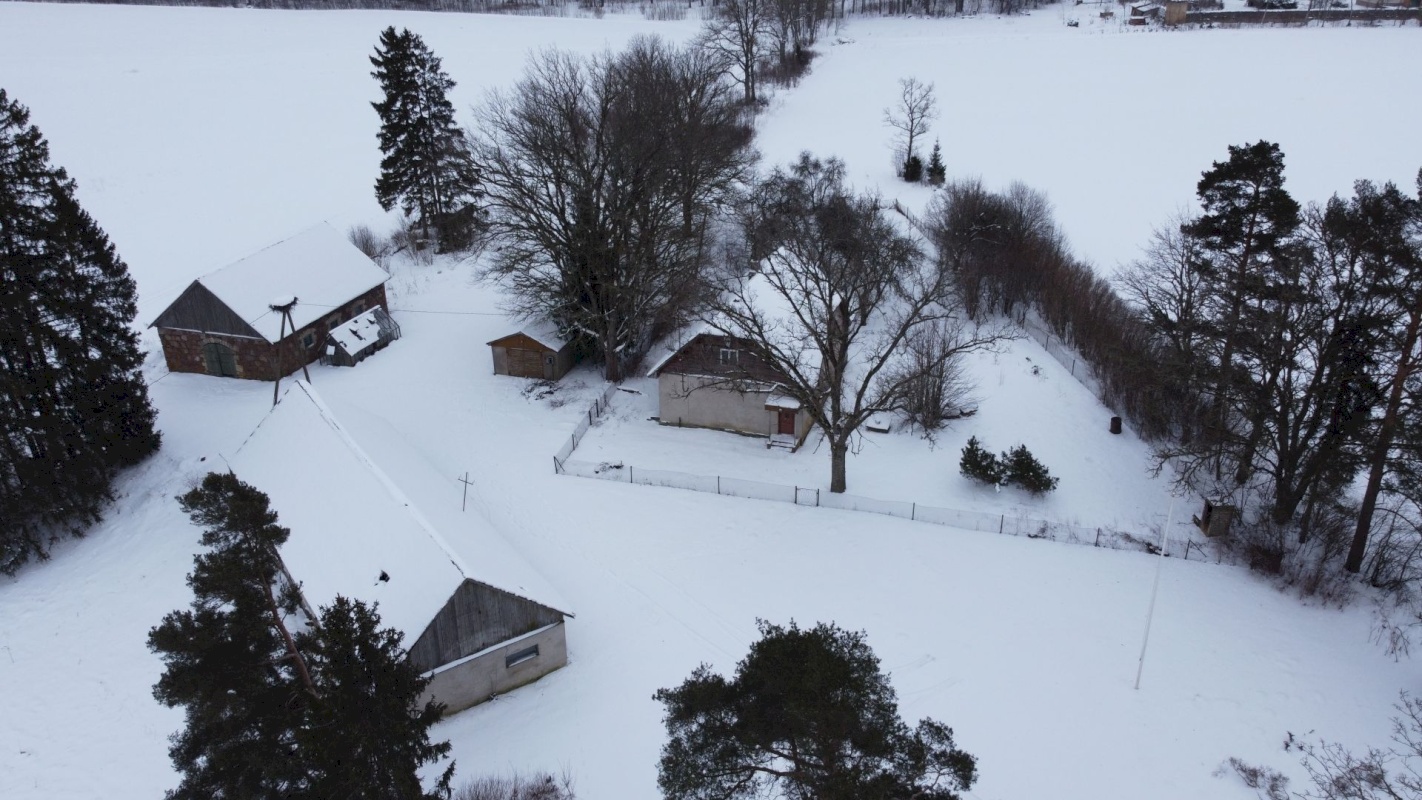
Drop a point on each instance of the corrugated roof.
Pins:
(318, 267)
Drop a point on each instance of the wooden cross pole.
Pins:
(276, 389)
(465, 480)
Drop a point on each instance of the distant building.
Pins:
(716, 381)
(536, 351)
(224, 324)
(478, 626)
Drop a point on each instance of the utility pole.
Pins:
(464, 504)
(284, 308)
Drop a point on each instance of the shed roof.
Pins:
(543, 332)
(318, 267)
(360, 333)
(350, 523)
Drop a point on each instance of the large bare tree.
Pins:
(912, 115)
(832, 295)
(603, 175)
(738, 34)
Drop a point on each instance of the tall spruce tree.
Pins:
(426, 169)
(73, 406)
(333, 711)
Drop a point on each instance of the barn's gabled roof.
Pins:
(354, 532)
(317, 266)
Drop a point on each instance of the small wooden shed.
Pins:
(352, 342)
(536, 351)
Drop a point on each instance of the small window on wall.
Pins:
(548, 360)
(730, 357)
(514, 659)
(308, 341)
(360, 307)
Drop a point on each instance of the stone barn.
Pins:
(224, 324)
(716, 381)
(536, 351)
(477, 619)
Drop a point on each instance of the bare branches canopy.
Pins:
(604, 176)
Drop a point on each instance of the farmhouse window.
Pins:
(526, 654)
(730, 357)
(308, 340)
(360, 307)
(548, 360)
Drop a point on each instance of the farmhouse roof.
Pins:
(701, 355)
(317, 267)
(355, 533)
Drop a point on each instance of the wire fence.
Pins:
(1063, 354)
(597, 409)
(1006, 524)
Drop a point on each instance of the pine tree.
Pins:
(368, 735)
(1021, 468)
(937, 173)
(73, 406)
(979, 464)
(913, 169)
(228, 663)
(426, 169)
(331, 712)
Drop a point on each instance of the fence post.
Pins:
(557, 468)
(1098, 538)
(629, 474)
(913, 512)
(817, 498)
(1000, 521)
(718, 484)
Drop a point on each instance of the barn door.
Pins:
(220, 359)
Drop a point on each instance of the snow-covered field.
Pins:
(198, 135)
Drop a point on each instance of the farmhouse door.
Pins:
(787, 422)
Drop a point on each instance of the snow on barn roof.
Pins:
(353, 531)
(317, 266)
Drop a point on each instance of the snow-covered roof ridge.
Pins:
(354, 532)
(318, 267)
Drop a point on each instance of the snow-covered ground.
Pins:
(199, 135)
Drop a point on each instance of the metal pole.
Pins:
(1154, 590)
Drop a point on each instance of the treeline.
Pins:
(655, 9)
(1269, 350)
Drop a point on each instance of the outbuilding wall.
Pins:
(505, 364)
(478, 678)
(256, 359)
(703, 402)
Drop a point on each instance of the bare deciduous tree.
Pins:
(603, 176)
(835, 297)
(916, 108)
(737, 34)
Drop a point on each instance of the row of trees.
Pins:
(1269, 349)
(1293, 334)
(73, 405)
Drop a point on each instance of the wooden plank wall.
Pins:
(476, 617)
